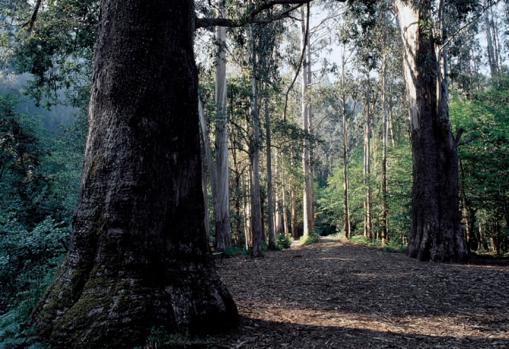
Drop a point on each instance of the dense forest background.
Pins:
(304, 121)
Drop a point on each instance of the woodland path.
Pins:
(335, 295)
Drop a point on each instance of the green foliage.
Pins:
(233, 251)
(391, 246)
(39, 183)
(283, 241)
(312, 238)
(484, 160)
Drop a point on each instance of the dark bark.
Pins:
(138, 256)
(436, 232)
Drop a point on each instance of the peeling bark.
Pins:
(436, 232)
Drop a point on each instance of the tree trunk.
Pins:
(270, 203)
(368, 225)
(222, 197)
(308, 216)
(207, 169)
(436, 233)
(385, 140)
(254, 158)
(491, 43)
(279, 228)
(346, 215)
(138, 255)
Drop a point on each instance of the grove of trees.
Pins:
(235, 128)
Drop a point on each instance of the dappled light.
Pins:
(352, 296)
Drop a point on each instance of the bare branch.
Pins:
(251, 17)
(30, 24)
(303, 54)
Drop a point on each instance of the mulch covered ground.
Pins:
(334, 295)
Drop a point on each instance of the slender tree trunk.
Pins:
(385, 140)
(279, 190)
(346, 215)
(254, 158)
(293, 214)
(208, 175)
(222, 197)
(270, 202)
(436, 232)
(368, 226)
(138, 257)
(490, 41)
(286, 227)
(308, 217)
(248, 236)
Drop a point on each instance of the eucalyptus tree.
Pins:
(139, 255)
(222, 175)
(436, 232)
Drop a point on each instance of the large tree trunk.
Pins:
(436, 233)
(138, 255)
(222, 197)
(254, 159)
(308, 215)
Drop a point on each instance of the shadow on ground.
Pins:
(344, 296)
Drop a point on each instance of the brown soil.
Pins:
(335, 295)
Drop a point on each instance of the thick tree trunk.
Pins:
(436, 233)
(270, 202)
(308, 216)
(138, 255)
(222, 197)
(254, 159)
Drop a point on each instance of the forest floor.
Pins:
(336, 295)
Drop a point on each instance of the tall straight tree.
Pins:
(436, 233)
(254, 153)
(222, 196)
(308, 214)
(346, 186)
(138, 255)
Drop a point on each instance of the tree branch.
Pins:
(303, 54)
(468, 24)
(250, 17)
(30, 24)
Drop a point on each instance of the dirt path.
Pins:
(330, 295)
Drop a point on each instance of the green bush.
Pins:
(233, 251)
(283, 241)
(310, 239)
(28, 260)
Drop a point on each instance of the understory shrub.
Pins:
(310, 239)
(283, 241)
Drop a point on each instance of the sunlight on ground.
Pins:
(439, 326)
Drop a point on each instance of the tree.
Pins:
(254, 153)
(222, 194)
(307, 206)
(436, 233)
(138, 255)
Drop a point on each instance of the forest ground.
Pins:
(337, 295)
